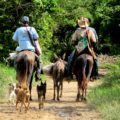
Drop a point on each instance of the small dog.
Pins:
(23, 96)
(41, 91)
(11, 93)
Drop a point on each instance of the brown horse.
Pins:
(24, 68)
(82, 69)
(58, 72)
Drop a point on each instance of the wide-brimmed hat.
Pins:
(82, 22)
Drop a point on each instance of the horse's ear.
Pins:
(63, 56)
(56, 57)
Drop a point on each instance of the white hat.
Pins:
(82, 22)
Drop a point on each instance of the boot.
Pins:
(69, 73)
(70, 66)
(38, 69)
(37, 75)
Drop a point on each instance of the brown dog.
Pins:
(23, 97)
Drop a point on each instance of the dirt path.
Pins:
(66, 109)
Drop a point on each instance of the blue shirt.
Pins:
(22, 37)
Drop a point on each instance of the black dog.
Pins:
(41, 91)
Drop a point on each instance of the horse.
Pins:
(25, 61)
(82, 69)
(58, 72)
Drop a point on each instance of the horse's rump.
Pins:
(24, 63)
(58, 69)
(83, 65)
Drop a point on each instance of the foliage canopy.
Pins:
(55, 21)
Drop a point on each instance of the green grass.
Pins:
(7, 75)
(106, 97)
(110, 66)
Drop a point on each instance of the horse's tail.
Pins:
(80, 66)
(22, 66)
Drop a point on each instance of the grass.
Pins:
(106, 97)
(7, 75)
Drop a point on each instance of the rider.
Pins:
(23, 39)
(80, 38)
(95, 67)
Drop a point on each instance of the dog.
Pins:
(11, 93)
(23, 97)
(41, 92)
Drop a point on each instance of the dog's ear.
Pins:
(19, 86)
(10, 84)
(16, 90)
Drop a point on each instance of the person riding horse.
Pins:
(82, 38)
(23, 36)
(94, 74)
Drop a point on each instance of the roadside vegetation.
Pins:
(106, 97)
(7, 75)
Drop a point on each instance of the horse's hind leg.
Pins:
(85, 91)
(30, 86)
(83, 94)
(78, 94)
(61, 88)
(58, 90)
(90, 62)
(54, 86)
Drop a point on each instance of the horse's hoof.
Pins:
(84, 99)
(53, 99)
(30, 99)
(77, 100)
(58, 99)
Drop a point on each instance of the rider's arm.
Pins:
(74, 39)
(15, 36)
(35, 38)
(92, 36)
(38, 46)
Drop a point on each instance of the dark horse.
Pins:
(82, 69)
(24, 68)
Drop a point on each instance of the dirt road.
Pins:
(66, 109)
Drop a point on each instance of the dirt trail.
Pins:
(66, 109)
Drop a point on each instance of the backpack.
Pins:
(82, 44)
